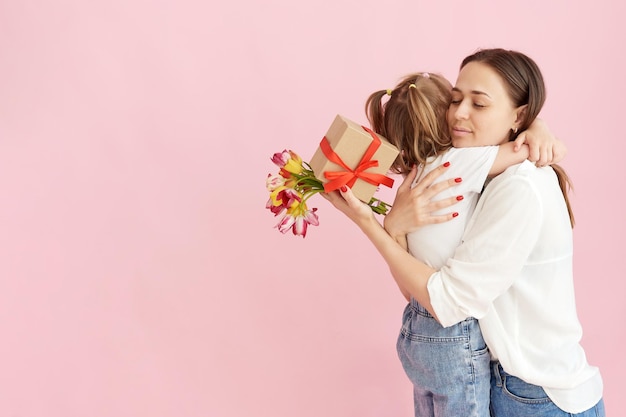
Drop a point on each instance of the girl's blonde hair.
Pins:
(413, 118)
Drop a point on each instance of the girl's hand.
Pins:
(545, 148)
(413, 208)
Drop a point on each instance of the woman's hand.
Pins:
(413, 208)
(346, 202)
(544, 147)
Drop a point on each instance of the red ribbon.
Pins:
(337, 179)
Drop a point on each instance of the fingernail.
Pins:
(447, 164)
(458, 179)
(455, 214)
(459, 197)
(344, 188)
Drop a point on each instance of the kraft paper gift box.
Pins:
(353, 155)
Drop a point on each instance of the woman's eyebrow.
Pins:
(475, 92)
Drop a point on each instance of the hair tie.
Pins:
(425, 75)
(389, 91)
(412, 85)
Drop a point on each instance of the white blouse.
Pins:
(513, 271)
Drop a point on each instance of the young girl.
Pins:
(449, 367)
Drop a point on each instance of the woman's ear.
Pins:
(520, 115)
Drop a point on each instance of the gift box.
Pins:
(353, 155)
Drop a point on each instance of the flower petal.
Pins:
(281, 158)
(299, 227)
(311, 217)
(274, 181)
(286, 223)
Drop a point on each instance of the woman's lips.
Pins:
(460, 131)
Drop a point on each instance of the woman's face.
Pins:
(481, 112)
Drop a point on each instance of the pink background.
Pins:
(140, 274)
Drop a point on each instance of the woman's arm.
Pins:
(483, 267)
(410, 274)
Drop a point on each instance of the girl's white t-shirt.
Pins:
(435, 244)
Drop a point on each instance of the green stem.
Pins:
(309, 185)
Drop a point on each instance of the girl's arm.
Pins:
(412, 208)
(544, 147)
(508, 155)
(537, 144)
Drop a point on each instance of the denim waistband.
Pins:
(419, 308)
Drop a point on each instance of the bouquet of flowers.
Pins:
(290, 189)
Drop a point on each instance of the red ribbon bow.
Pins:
(349, 176)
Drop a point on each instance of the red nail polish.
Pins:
(447, 164)
(458, 179)
(344, 188)
(459, 197)
(455, 214)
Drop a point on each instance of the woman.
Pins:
(412, 116)
(513, 270)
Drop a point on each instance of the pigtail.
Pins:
(427, 131)
(429, 98)
(375, 112)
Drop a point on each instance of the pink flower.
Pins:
(274, 181)
(286, 222)
(289, 163)
(308, 218)
(281, 158)
(298, 219)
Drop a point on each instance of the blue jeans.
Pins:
(449, 367)
(512, 397)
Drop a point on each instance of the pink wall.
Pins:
(139, 271)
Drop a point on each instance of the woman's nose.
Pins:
(461, 112)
